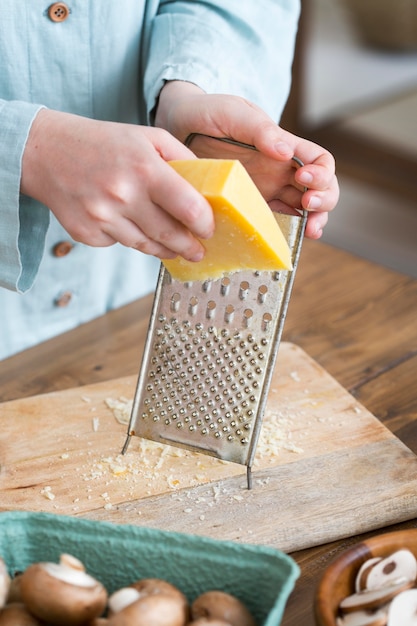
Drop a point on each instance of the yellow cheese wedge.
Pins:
(246, 235)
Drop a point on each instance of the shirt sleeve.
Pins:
(239, 47)
(23, 222)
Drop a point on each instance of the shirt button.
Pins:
(63, 299)
(58, 12)
(62, 248)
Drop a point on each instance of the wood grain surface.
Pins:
(354, 318)
(324, 468)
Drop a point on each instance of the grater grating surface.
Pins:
(209, 357)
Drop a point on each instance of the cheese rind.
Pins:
(246, 235)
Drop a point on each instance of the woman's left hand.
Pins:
(184, 110)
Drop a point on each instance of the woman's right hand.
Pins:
(108, 182)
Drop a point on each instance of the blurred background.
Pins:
(355, 92)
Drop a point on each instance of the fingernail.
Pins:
(305, 177)
(198, 256)
(283, 148)
(314, 203)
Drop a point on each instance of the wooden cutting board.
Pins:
(325, 468)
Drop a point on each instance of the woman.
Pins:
(95, 97)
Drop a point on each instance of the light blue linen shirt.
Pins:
(108, 60)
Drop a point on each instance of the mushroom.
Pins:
(372, 598)
(121, 598)
(14, 594)
(156, 610)
(222, 606)
(154, 586)
(62, 595)
(71, 561)
(365, 568)
(4, 583)
(403, 609)
(400, 565)
(16, 614)
(363, 618)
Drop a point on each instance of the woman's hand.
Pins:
(108, 182)
(184, 109)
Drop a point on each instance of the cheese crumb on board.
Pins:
(121, 408)
(275, 436)
(47, 493)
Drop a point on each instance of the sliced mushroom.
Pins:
(62, 595)
(363, 618)
(223, 606)
(362, 575)
(373, 598)
(156, 610)
(400, 565)
(16, 614)
(403, 609)
(4, 583)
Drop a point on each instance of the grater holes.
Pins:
(225, 286)
(175, 302)
(211, 309)
(204, 379)
(266, 321)
(244, 290)
(229, 313)
(193, 305)
(247, 317)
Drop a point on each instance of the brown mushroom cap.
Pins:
(155, 586)
(16, 614)
(14, 594)
(155, 610)
(152, 586)
(223, 606)
(62, 595)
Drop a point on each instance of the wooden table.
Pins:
(356, 319)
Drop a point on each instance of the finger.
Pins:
(155, 232)
(315, 225)
(178, 198)
(244, 121)
(313, 200)
(318, 175)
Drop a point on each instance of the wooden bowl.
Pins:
(338, 579)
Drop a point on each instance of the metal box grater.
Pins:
(209, 357)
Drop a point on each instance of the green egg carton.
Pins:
(118, 554)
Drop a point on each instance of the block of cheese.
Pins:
(246, 236)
